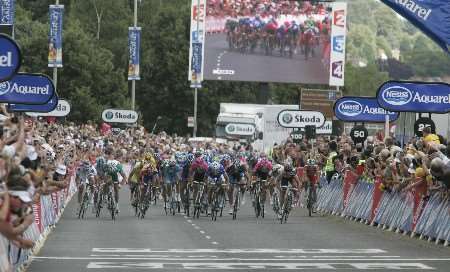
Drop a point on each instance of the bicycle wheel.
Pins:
(236, 198)
(112, 207)
(99, 204)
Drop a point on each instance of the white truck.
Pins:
(252, 123)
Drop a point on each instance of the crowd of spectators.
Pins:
(422, 164)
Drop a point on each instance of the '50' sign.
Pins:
(339, 18)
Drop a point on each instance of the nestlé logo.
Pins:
(397, 95)
(350, 108)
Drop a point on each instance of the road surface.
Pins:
(223, 64)
(178, 243)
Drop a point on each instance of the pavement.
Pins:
(224, 64)
(178, 243)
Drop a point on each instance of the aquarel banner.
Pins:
(197, 40)
(409, 96)
(10, 57)
(55, 36)
(361, 109)
(7, 11)
(134, 45)
(430, 16)
(23, 88)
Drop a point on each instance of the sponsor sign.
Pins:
(25, 88)
(432, 17)
(197, 40)
(359, 134)
(338, 33)
(408, 96)
(319, 100)
(10, 58)
(119, 116)
(361, 109)
(240, 129)
(422, 123)
(62, 109)
(134, 45)
(300, 118)
(326, 129)
(7, 11)
(48, 107)
(55, 36)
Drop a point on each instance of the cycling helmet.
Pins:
(111, 166)
(165, 163)
(198, 153)
(172, 163)
(190, 157)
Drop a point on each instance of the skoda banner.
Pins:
(119, 116)
(240, 129)
(361, 109)
(32, 89)
(300, 119)
(134, 45)
(7, 10)
(197, 40)
(55, 36)
(414, 97)
(61, 110)
(431, 16)
(48, 107)
(10, 58)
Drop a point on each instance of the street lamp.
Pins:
(156, 123)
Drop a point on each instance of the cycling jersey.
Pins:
(147, 173)
(84, 175)
(136, 172)
(169, 174)
(235, 174)
(263, 169)
(199, 169)
(114, 174)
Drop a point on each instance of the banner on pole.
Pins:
(338, 32)
(197, 39)
(134, 46)
(7, 11)
(55, 36)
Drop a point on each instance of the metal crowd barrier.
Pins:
(47, 213)
(407, 213)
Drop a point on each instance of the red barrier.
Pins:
(350, 179)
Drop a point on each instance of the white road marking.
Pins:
(189, 221)
(208, 237)
(240, 251)
(214, 243)
(202, 232)
(197, 227)
(259, 266)
(235, 259)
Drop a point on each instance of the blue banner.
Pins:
(33, 89)
(48, 107)
(361, 109)
(10, 58)
(55, 36)
(431, 16)
(7, 11)
(134, 45)
(408, 96)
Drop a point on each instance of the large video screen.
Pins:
(271, 41)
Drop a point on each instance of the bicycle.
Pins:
(276, 200)
(111, 200)
(287, 204)
(174, 203)
(186, 199)
(199, 198)
(236, 199)
(217, 200)
(258, 198)
(144, 200)
(311, 197)
(85, 201)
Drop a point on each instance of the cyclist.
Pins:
(238, 175)
(262, 173)
(134, 177)
(332, 155)
(169, 175)
(287, 177)
(216, 178)
(198, 172)
(85, 177)
(114, 169)
(311, 178)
